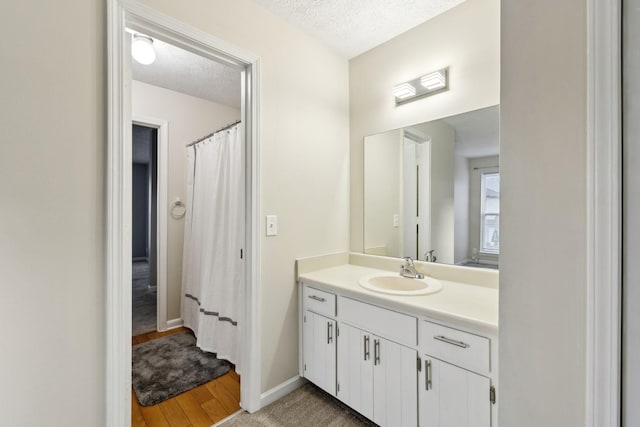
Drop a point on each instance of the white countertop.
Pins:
(462, 304)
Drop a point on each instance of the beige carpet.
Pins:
(308, 406)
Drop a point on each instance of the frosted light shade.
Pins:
(433, 81)
(142, 49)
(404, 90)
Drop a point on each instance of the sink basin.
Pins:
(394, 284)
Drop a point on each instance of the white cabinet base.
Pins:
(450, 396)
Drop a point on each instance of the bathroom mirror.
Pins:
(432, 190)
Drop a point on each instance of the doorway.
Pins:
(146, 20)
(144, 229)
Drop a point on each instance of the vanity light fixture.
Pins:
(404, 90)
(429, 84)
(142, 49)
(433, 81)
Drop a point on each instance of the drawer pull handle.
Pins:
(450, 341)
(366, 348)
(427, 374)
(329, 332)
(317, 298)
(376, 352)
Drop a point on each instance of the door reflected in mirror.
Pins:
(432, 190)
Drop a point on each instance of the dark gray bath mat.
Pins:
(168, 366)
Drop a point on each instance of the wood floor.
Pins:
(201, 406)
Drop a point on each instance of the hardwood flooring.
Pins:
(202, 406)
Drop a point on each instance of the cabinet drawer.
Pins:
(319, 301)
(460, 348)
(398, 327)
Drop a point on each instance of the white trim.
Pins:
(134, 15)
(281, 390)
(174, 324)
(603, 211)
(162, 165)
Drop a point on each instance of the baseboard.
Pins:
(281, 390)
(174, 323)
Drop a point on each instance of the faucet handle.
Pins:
(409, 260)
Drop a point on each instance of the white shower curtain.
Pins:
(212, 269)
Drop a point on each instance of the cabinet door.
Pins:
(395, 395)
(355, 369)
(452, 397)
(319, 347)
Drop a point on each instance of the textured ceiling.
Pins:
(182, 71)
(352, 27)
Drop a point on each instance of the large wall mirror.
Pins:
(432, 190)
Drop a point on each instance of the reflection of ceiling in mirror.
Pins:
(477, 132)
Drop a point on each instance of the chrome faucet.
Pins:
(429, 256)
(409, 270)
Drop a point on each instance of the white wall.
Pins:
(304, 156)
(543, 200)
(465, 38)
(383, 193)
(631, 213)
(52, 187)
(189, 118)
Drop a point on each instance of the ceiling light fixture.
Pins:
(426, 85)
(142, 49)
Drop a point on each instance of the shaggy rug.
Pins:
(143, 300)
(307, 406)
(168, 366)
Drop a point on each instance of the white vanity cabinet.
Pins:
(320, 351)
(450, 393)
(396, 368)
(319, 333)
(377, 362)
(377, 377)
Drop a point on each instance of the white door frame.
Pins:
(162, 160)
(603, 314)
(131, 14)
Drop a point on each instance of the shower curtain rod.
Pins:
(213, 133)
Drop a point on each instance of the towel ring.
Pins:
(178, 209)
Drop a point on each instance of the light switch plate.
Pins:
(272, 225)
(396, 220)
